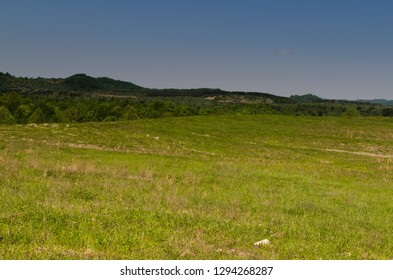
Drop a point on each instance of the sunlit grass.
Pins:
(198, 188)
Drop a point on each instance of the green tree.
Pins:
(37, 117)
(5, 116)
(183, 110)
(11, 100)
(22, 113)
(387, 112)
(352, 111)
(130, 113)
(103, 110)
(79, 112)
(116, 112)
(66, 116)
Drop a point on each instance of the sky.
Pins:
(338, 49)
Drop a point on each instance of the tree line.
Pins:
(22, 109)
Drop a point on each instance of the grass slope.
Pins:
(198, 188)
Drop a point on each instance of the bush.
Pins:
(5, 116)
(37, 116)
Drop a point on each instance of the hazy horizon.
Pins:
(335, 49)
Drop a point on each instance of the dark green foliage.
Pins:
(22, 113)
(5, 116)
(130, 113)
(387, 112)
(306, 98)
(37, 117)
(52, 108)
(11, 100)
(82, 82)
(352, 111)
(377, 101)
(76, 85)
(81, 98)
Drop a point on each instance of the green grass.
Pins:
(198, 188)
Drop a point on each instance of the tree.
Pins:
(22, 113)
(352, 111)
(103, 110)
(11, 100)
(116, 112)
(37, 116)
(387, 112)
(5, 116)
(130, 113)
(66, 116)
(79, 112)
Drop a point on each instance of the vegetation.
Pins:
(307, 98)
(81, 98)
(378, 101)
(74, 85)
(202, 187)
(5, 116)
(232, 169)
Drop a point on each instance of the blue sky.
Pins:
(331, 48)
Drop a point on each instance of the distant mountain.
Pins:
(307, 98)
(311, 98)
(82, 84)
(82, 98)
(76, 83)
(377, 101)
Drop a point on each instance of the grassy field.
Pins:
(198, 188)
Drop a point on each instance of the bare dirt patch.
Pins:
(359, 153)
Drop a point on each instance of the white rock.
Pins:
(262, 242)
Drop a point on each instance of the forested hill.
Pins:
(377, 101)
(79, 83)
(81, 98)
(84, 85)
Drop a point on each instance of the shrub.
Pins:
(5, 116)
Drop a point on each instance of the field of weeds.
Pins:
(198, 188)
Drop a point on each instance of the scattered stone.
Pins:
(262, 242)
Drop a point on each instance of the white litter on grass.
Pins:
(154, 137)
(262, 242)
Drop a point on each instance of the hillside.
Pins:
(79, 83)
(81, 98)
(377, 101)
(306, 98)
(205, 187)
(82, 84)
